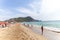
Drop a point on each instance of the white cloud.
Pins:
(34, 12)
(24, 10)
(28, 12)
(50, 10)
(44, 10)
(4, 14)
(4, 11)
(19, 15)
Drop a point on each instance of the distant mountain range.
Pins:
(23, 19)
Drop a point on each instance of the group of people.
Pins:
(3, 24)
(32, 26)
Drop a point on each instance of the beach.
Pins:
(19, 32)
(49, 33)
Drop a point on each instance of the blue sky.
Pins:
(38, 9)
(19, 8)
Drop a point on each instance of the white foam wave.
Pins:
(53, 29)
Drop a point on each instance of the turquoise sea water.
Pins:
(55, 24)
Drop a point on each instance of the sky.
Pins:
(51, 9)
(38, 9)
(19, 8)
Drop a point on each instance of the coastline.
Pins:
(45, 27)
(57, 30)
(19, 32)
(51, 35)
(49, 32)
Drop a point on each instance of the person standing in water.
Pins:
(42, 29)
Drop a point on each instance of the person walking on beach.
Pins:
(42, 29)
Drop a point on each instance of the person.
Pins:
(24, 24)
(27, 25)
(42, 29)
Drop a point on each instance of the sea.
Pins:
(54, 24)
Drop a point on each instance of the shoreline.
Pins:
(49, 32)
(57, 30)
(46, 27)
(19, 32)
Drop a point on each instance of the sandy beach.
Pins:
(19, 32)
(50, 34)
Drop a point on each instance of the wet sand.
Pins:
(49, 34)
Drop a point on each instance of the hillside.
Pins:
(22, 19)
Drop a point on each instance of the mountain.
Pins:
(22, 19)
